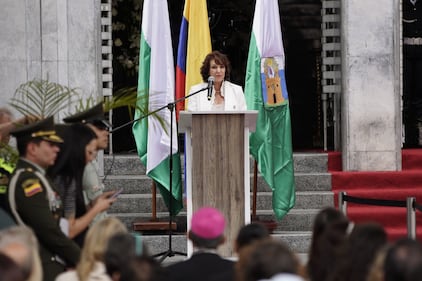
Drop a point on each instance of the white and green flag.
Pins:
(266, 91)
(155, 90)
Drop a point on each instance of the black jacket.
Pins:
(204, 267)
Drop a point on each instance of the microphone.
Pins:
(210, 84)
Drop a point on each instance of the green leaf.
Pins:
(42, 98)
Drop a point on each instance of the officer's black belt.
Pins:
(412, 40)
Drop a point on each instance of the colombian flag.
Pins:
(194, 45)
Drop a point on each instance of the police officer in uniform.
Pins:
(33, 200)
(6, 169)
(412, 72)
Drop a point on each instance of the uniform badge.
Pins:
(31, 187)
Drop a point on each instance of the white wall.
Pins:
(58, 39)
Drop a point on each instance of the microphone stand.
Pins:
(169, 252)
(169, 106)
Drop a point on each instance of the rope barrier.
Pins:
(377, 202)
(410, 205)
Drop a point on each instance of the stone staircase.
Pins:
(313, 192)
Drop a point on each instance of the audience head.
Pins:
(329, 232)
(96, 242)
(38, 142)
(95, 120)
(20, 244)
(78, 149)
(6, 116)
(266, 259)
(358, 252)
(10, 270)
(143, 268)
(324, 218)
(404, 261)
(119, 266)
(207, 228)
(8, 123)
(250, 233)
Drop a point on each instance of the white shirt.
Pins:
(234, 99)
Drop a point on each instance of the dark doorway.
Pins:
(230, 24)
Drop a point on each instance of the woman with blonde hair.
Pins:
(91, 265)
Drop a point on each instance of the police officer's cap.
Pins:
(93, 115)
(43, 129)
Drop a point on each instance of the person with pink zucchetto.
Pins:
(207, 234)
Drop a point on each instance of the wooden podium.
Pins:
(217, 167)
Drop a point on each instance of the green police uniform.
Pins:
(38, 205)
(6, 169)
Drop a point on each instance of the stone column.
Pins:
(54, 39)
(371, 101)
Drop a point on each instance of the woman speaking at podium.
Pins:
(221, 95)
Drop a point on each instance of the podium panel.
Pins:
(217, 167)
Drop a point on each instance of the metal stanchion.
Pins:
(411, 217)
(342, 205)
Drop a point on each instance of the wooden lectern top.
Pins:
(185, 118)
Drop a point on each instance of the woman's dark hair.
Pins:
(329, 232)
(358, 252)
(324, 218)
(403, 261)
(250, 233)
(71, 160)
(220, 59)
(132, 247)
(267, 258)
(70, 163)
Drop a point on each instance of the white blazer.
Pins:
(234, 99)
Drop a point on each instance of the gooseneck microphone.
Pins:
(210, 86)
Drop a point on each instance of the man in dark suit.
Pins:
(34, 201)
(206, 234)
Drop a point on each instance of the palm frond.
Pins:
(42, 98)
(134, 100)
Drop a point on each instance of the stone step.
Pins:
(141, 184)
(141, 203)
(295, 220)
(130, 164)
(310, 162)
(297, 241)
(313, 192)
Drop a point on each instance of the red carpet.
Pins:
(381, 185)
